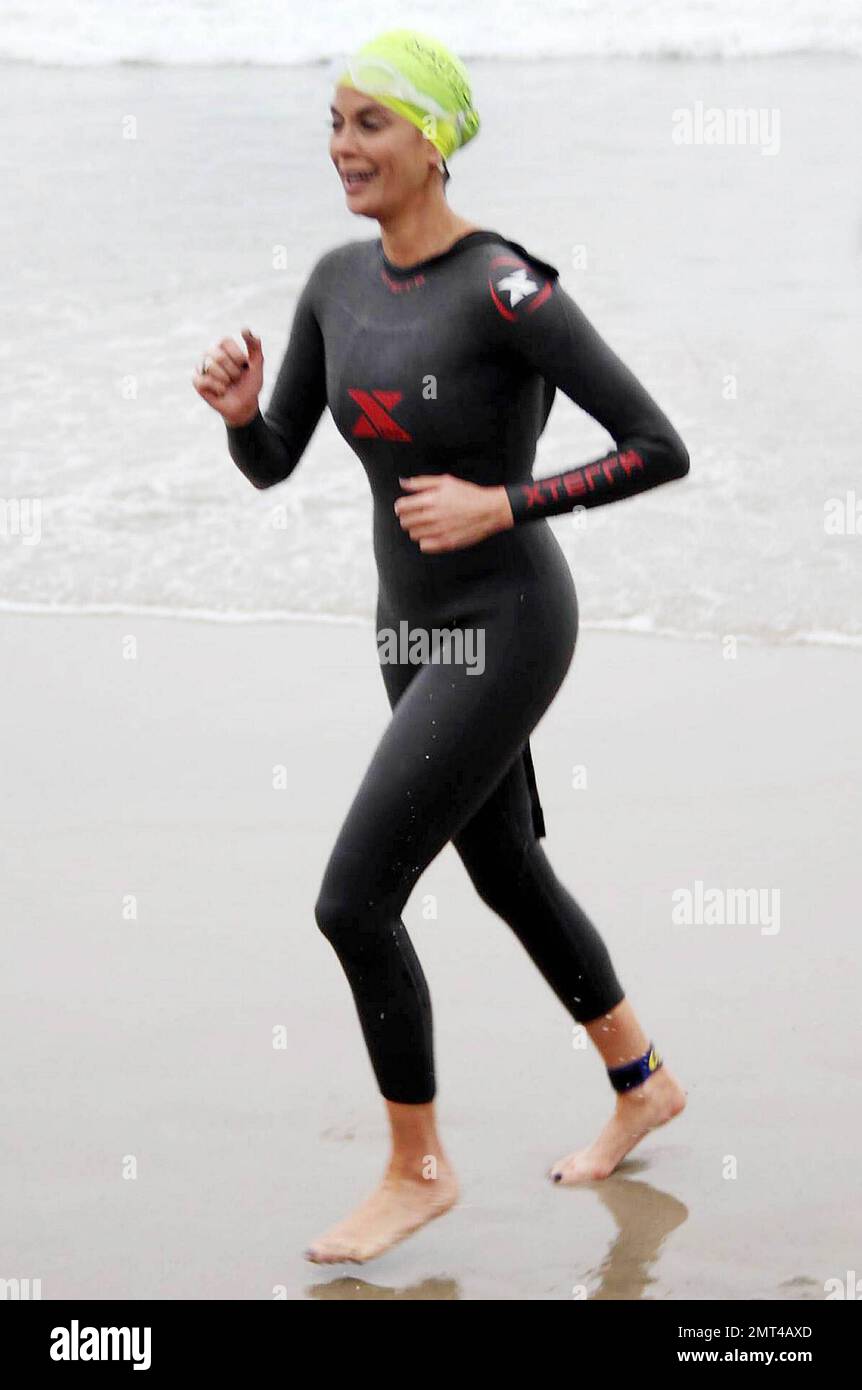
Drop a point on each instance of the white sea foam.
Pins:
(269, 32)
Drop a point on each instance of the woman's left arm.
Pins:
(545, 326)
(534, 317)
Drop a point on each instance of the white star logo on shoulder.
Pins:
(517, 285)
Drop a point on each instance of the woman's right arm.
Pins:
(267, 446)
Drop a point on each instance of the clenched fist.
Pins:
(232, 381)
(447, 513)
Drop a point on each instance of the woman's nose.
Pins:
(342, 143)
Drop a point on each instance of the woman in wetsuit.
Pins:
(438, 349)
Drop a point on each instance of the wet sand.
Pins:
(158, 927)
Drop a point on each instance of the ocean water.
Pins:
(278, 32)
(168, 183)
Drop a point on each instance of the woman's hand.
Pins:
(446, 513)
(232, 382)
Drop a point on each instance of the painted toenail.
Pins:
(556, 1176)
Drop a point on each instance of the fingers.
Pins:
(409, 508)
(440, 541)
(220, 364)
(431, 532)
(226, 362)
(424, 480)
(423, 503)
(424, 533)
(231, 356)
(228, 367)
(255, 351)
(424, 528)
(420, 514)
(207, 386)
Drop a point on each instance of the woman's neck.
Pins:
(417, 234)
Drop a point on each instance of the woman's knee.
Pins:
(330, 913)
(338, 895)
(349, 912)
(336, 910)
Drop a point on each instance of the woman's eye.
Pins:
(367, 124)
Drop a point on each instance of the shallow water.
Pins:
(726, 277)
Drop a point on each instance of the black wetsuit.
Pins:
(450, 366)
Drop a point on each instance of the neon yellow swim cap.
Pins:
(417, 77)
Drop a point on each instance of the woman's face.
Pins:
(390, 155)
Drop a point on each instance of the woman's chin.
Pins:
(361, 206)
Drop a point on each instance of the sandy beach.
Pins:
(186, 1094)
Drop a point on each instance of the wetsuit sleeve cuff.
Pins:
(511, 493)
(245, 433)
(518, 495)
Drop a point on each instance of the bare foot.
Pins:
(638, 1111)
(402, 1203)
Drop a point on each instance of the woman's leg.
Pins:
(417, 1185)
(451, 738)
(511, 873)
(513, 876)
(620, 1038)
